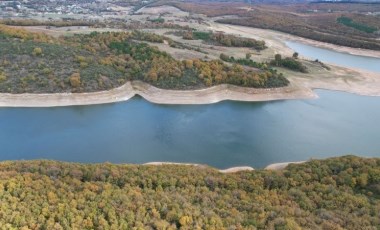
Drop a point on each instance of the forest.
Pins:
(38, 63)
(336, 193)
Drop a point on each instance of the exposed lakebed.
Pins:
(333, 57)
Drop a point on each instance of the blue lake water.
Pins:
(223, 135)
(333, 57)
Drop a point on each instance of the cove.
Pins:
(222, 135)
(334, 57)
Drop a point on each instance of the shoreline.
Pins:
(228, 170)
(272, 167)
(290, 37)
(156, 95)
(282, 165)
(296, 90)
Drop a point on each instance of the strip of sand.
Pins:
(281, 166)
(276, 166)
(236, 169)
(229, 170)
(155, 95)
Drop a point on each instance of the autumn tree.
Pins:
(152, 75)
(188, 64)
(75, 80)
(3, 77)
(37, 51)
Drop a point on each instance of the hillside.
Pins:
(337, 193)
(313, 20)
(39, 63)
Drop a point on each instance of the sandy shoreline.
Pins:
(281, 166)
(276, 166)
(155, 95)
(229, 170)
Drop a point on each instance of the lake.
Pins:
(334, 57)
(222, 135)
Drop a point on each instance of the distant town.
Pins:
(58, 9)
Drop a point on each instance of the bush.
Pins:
(37, 51)
(75, 80)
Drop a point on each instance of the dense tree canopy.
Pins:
(338, 193)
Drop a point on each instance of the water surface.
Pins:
(334, 57)
(223, 135)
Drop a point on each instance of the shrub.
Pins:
(3, 77)
(75, 80)
(37, 51)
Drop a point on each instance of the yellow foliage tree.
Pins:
(37, 51)
(3, 77)
(188, 64)
(152, 75)
(75, 80)
(185, 220)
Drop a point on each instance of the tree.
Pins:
(188, 35)
(188, 64)
(3, 77)
(152, 75)
(224, 57)
(37, 51)
(185, 220)
(277, 57)
(75, 80)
